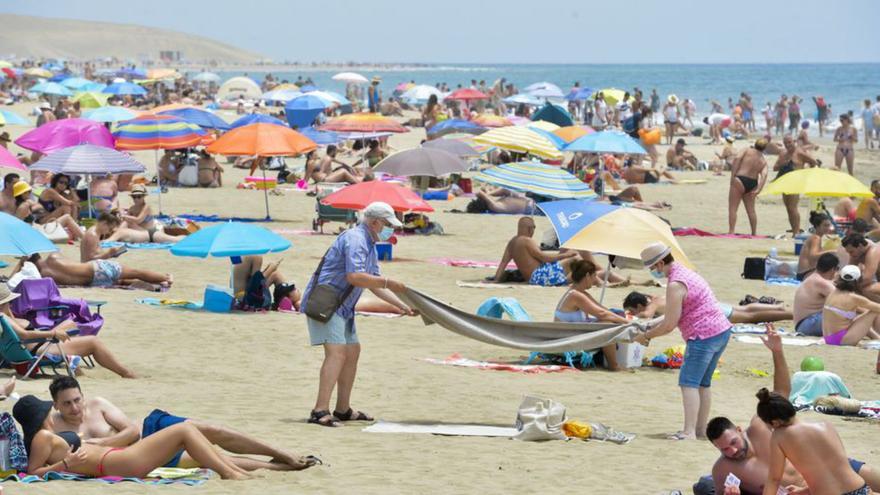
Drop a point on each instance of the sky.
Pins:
(508, 31)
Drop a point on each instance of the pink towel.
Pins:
(469, 263)
(296, 232)
(691, 231)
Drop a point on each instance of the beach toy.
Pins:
(650, 136)
(759, 373)
(812, 363)
(577, 429)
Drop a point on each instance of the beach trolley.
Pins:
(327, 213)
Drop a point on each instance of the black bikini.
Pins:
(748, 183)
(72, 439)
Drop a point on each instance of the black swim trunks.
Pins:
(651, 178)
(748, 183)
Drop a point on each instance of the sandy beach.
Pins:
(257, 373)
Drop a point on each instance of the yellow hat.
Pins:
(20, 187)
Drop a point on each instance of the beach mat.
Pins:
(136, 245)
(212, 218)
(457, 360)
(464, 263)
(692, 231)
(792, 341)
(482, 284)
(159, 476)
(456, 430)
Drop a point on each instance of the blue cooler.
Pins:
(218, 299)
(799, 243)
(383, 250)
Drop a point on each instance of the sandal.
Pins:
(768, 300)
(749, 299)
(678, 436)
(347, 416)
(316, 417)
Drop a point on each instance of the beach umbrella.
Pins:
(404, 87)
(467, 139)
(163, 74)
(321, 138)
(818, 182)
(281, 86)
(230, 240)
(358, 196)
(236, 87)
(329, 97)
(611, 95)
(199, 117)
(63, 133)
(75, 83)
(20, 239)
(38, 72)
(544, 90)
(284, 95)
(580, 94)
(207, 77)
(5, 64)
(93, 86)
(536, 178)
(10, 72)
(131, 73)
(454, 146)
(467, 94)
(491, 120)
(8, 117)
(124, 88)
(8, 160)
(256, 118)
(520, 140)
(542, 125)
(363, 122)
(541, 85)
(609, 229)
(422, 162)
(421, 93)
(455, 125)
(110, 114)
(308, 88)
(572, 132)
(301, 111)
(170, 106)
(50, 88)
(522, 99)
(350, 77)
(556, 140)
(91, 99)
(555, 114)
(606, 142)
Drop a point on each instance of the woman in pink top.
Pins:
(691, 306)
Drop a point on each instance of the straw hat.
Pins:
(673, 99)
(654, 253)
(20, 187)
(7, 295)
(377, 79)
(5, 137)
(138, 190)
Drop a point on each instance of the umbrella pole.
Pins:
(89, 193)
(158, 178)
(265, 191)
(605, 280)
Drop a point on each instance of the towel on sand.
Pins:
(457, 360)
(469, 263)
(160, 476)
(137, 245)
(807, 386)
(691, 231)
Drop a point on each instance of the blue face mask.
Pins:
(657, 274)
(386, 233)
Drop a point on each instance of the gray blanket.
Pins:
(552, 337)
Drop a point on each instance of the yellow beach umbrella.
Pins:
(5, 65)
(543, 125)
(520, 140)
(611, 95)
(91, 99)
(284, 86)
(819, 183)
(37, 72)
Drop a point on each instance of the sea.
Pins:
(844, 86)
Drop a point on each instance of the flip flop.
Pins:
(678, 436)
(347, 416)
(316, 416)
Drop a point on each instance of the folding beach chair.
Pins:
(329, 213)
(14, 353)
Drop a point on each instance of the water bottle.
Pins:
(773, 253)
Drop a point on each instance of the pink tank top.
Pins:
(701, 318)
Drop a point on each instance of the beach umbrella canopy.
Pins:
(572, 132)
(207, 77)
(308, 88)
(421, 161)
(20, 239)
(579, 94)
(523, 99)
(91, 99)
(606, 142)
(5, 64)
(50, 88)
(544, 90)
(556, 140)
(110, 114)
(64, 133)
(262, 140)
(170, 106)
(281, 86)
(553, 113)
(38, 72)
(131, 73)
(88, 159)
(199, 117)
(467, 94)
(307, 101)
(537, 178)
(93, 86)
(321, 138)
(358, 196)
(421, 93)
(818, 182)
(350, 77)
(467, 139)
(520, 140)
(609, 229)
(284, 95)
(236, 87)
(156, 132)
(8, 160)
(363, 122)
(455, 125)
(491, 120)
(11, 118)
(124, 88)
(540, 85)
(75, 83)
(611, 95)
(454, 146)
(257, 118)
(542, 125)
(231, 239)
(330, 98)
(10, 72)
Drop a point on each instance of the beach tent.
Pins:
(244, 87)
(555, 114)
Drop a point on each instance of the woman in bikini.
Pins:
(32, 212)
(58, 199)
(848, 317)
(812, 248)
(846, 137)
(65, 452)
(138, 223)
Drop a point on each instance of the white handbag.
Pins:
(540, 419)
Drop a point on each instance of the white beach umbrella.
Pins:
(421, 93)
(350, 77)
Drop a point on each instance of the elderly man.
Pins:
(347, 268)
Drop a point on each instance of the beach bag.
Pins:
(53, 231)
(540, 419)
(324, 299)
(189, 176)
(753, 269)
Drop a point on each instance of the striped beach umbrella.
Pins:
(199, 117)
(156, 132)
(572, 132)
(520, 140)
(536, 178)
(88, 159)
(450, 126)
(363, 122)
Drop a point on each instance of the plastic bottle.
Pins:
(774, 253)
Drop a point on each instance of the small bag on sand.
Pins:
(753, 269)
(540, 419)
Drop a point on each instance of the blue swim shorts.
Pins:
(811, 325)
(549, 275)
(158, 420)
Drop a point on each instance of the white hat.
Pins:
(7, 295)
(45, 105)
(379, 209)
(654, 253)
(850, 273)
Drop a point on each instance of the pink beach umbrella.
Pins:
(8, 160)
(64, 133)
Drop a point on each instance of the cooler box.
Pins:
(630, 355)
(466, 185)
(799, 243)
(436, 195)
(218, 299)
(383, 250)
(262, 183)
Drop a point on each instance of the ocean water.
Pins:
(845, 86)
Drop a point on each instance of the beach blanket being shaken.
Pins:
(160, 476)
(524, 335)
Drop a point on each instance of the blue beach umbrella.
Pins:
(301, 111)
(455, 125)
(20, 239)
(230, 240)
(322, 138)
(110, 114)
(536, 178)
(12, 118)
(75, 83)
(50, 88)
(581, 94)
(199, 117)
(257, 118)
(93, 86)
(308, 88)
(124, 88)
(553, 114)
(132, 73)
(606, 142)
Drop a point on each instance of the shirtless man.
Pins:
(866, 255)
(7, 197)
(536, 266)
(747, 178)
(323, 171)
(790, 159)
(809, 298)
(500, 200)
(635, 174)
(108, 227)
(724, 159)
(747, 453)
(99, 422)
(97, 273)
(210, 172)
(679, 158)
(869, 208)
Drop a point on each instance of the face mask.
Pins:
(657, 274)
(386, 233)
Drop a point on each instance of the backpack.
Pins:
(256, 295)
(753, 269)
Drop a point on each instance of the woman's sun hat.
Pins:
(31, 412)
(138, 190)
(654, 252)
(7, 295)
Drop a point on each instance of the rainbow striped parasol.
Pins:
(363, 122)
(155, 132)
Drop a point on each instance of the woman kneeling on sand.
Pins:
(848, 317)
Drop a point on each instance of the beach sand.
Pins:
(258, 374)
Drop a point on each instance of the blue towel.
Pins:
(497, 307)
(3, 264)
(137, 245)
(786, 282)
(807, 386)
(52, 476)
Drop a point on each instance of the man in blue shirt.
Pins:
(350, 261)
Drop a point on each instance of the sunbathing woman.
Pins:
(72, 345)
(58, 199)
(49, 452)
(140, 215)
(645, 306)
(30, 211)
(848, 317)
(107, 228)
(812, 248)
(287, 297)
(577, 305)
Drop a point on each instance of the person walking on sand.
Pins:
(349, 266)
(747, 177)
(846, 136)
(692, 307)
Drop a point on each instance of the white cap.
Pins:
(379, 209)
(850, 273)
(45, 105)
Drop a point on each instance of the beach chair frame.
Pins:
(13, 351)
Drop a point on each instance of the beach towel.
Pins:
(137, 245)
(755, 329)
(212, 218)
(497, 307)
(161, 476)
(14, 451)
(483, 284)
(691, 231)
(553, 337)
(193, 305)
(457, 360)
(463, 263)
(807, 386)
(792, 341)
(782, 281)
